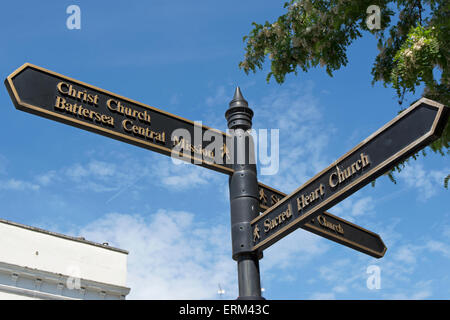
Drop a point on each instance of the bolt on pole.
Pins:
(244, 202)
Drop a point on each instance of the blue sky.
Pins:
(182, 57)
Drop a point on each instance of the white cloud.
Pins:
(182, 176)
(94, 168)
(362, 206)
(114, 176)
(406, 254)
(355, 206)
(171, 254)
(18, 185)
(102, 169)
(427, 182)
(437, 246)
(119, 175)
(76, 172)
(47, 178)
(292, 252)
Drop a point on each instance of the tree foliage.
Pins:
(413, 46)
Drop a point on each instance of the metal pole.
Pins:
(244, 202)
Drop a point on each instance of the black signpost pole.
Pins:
(244, 201)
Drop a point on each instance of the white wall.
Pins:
(37, 250)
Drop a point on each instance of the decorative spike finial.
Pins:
(238, 99)
(239, 115)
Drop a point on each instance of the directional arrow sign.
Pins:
(404, 135)
(54, 96)
(331, 227)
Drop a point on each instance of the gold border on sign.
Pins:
(432, 103)
(114, 133)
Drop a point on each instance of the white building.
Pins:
(38, 264)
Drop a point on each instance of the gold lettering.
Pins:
(353, 168)
(60, 103)
(82, 95)
(127, 110)
(365, 160)
(186, 145)
(335, 227)
(289, 211)
(118, 107)
(60, 89)
(299, 204)
(321, 220)
(331, 180)
(147, 133)
(357, 165)
(273, 223)
(341, 175)
(322, 189)
(267, 225)
(124, 125)
(270, 224)
(348, 172)
(305, 200)
(99, 118)
(78, 110)
(110, 106)
(108, 120)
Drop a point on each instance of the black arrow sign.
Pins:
(331, 227)
(54, 96)
(404, 135)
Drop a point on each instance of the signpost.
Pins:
(54, 96)
(404, 135)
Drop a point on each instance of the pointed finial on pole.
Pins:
(238, 99)
(239, 115)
